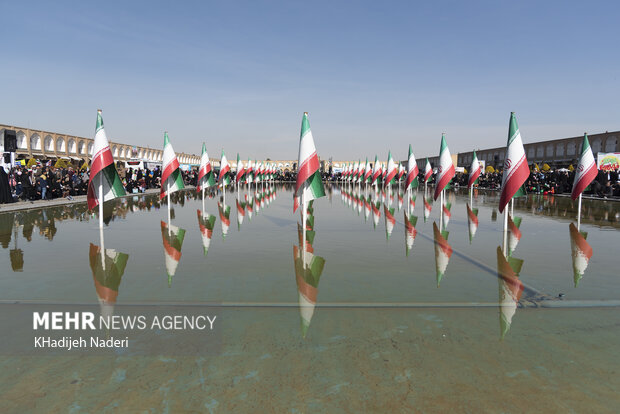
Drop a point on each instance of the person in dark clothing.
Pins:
(5, 189)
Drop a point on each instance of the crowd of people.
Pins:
(48, 182)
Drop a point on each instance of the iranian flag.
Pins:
(107, 270)
(428, 171)
(171, 178)
(391, 170)
(367, 172)
(510, 289)
(240, 170)
(308, 270)
(172, 237)
(443, 252)
(401, 171)
(474, 171)
(410, 232)
(224, 177)
(224, 217)
(412, 171)
(516, 170)
(206, 177)
(356, 171)
(206, 223)
(581, 253)
(309, 184)
(472, 222)
(390, 221)
(514, 234)
(586, 169)
(249, 172)
(445, 171)
(102, 167)
(240, 213)
(376, 171)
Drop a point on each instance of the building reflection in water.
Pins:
(308, 270)
(172, 238)
(581, 252)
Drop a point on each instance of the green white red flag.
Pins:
(206, 178)
(224, 177)
(474, 171)
(367, 172)
(445, 170)
(376, 172)
(171, 177)
(240, 170)
(581, 253)
(249, 172)
(412, 171)
(172, 237)
(309, 184)
(428, 171)
(391, 171)
(586, 169)
(102, 167)
(516, 170)
(308, 270)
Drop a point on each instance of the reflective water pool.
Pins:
(385, 305)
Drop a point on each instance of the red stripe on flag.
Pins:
(305, 170)
(443, 181)
(585, 181)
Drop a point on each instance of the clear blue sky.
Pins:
(372, 75)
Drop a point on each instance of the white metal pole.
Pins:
(101, 199)
(203, 199)
(304, 213)
(168, 197)
(441, 211)
(101, 241)
(579, 213)
(505, 233)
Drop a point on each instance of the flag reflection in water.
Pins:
(107, 267)
(308, 270)
(172, 237)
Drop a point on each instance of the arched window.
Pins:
(611, 144)
(81, 148)
(60, 144)
(596, 146)
(570, 148)
(35, 142)
(48, 143)
(22, 142)
(549, 150)
(91, 148)
(71, 145)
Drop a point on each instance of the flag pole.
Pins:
(168, 195)
(512, 207)
(101, 200)
(441, 211)
(102, 247)
(579, 213)
(505, 233)
(203, 199)
(304, 213)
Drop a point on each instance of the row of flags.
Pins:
(104, 178)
